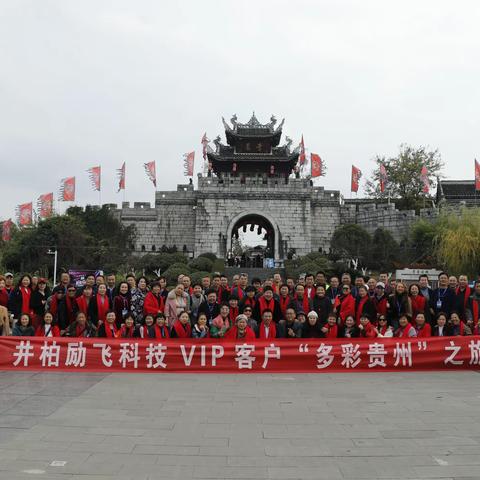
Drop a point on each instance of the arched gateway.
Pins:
(261, 222)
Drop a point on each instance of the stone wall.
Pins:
(303, 216)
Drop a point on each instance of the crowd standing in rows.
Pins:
(309, 307)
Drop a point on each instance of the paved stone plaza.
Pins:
(146, 426)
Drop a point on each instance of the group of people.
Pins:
(311, 306)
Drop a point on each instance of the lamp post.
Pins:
(55, 254)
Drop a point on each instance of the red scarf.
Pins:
(418, 304)
(475, 311)
(102, 309)
(403, 332)
(26, 294)
(264, 305)
(383, 330)
(380, 305)
(284, 302)
(305, 303)
(53, 309)
(251, 302)
(233, 314)
(425, 331)
(347, 306)
(82, 304)
(272, 331)
(182, 331)
(368, 331)
(126, 332)
(332, 331)
(79, 330)
(108, 330)
(466, 296)
(232, 334)
(360, 306)
(69, 303)
(161, 332)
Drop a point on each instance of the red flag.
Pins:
(67, 190)
(302, 158)
(204, 143)
(45, 205)
(151, 172)
(477, 175)
(24, 213)
(95, 177)
(121, 177)
(356, 176)
(424, 179)
(383, 177)
(188, 162)
(316, 164)
(7, 230)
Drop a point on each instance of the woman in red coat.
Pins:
(344, 304)
(240, 331)
(47, 328)
(419, 302)
(154, 302)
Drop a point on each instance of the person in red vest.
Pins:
(330, 329)
(473, 307)
(47, 328)
(300, 302)
(267, 302)
(423, 328)
(344, 304)
(249, 299)
(367, 330)
(154, 302)
(241, 330)
(419, 302)
(267, 329)
(364, 305)
(405, 329)
(181, 328)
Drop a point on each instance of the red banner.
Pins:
(383, 177)
(188, 162)
(424, 179)
(67, 190)
(121, 177)
(45, 205)
(7, 230)
(316, 165)
(95, 174)
(151, 172)
(356, 175)
(302, 158)
(25, 214)
(269, 356)
(477, 175)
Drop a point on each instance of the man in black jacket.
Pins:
(210, 308)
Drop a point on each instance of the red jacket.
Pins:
(153, 305)
(232, 334)
(40, 332)
(425, 331)
(345, 305)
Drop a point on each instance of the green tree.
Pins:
(351, 241)
(404, 185)
(384, 250)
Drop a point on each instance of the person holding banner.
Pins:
(423, 328)
(457, 327)
(330, 330)
(349, 329)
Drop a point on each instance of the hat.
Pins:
(380, 285)
(8, 274)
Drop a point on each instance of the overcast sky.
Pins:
(84, 83)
